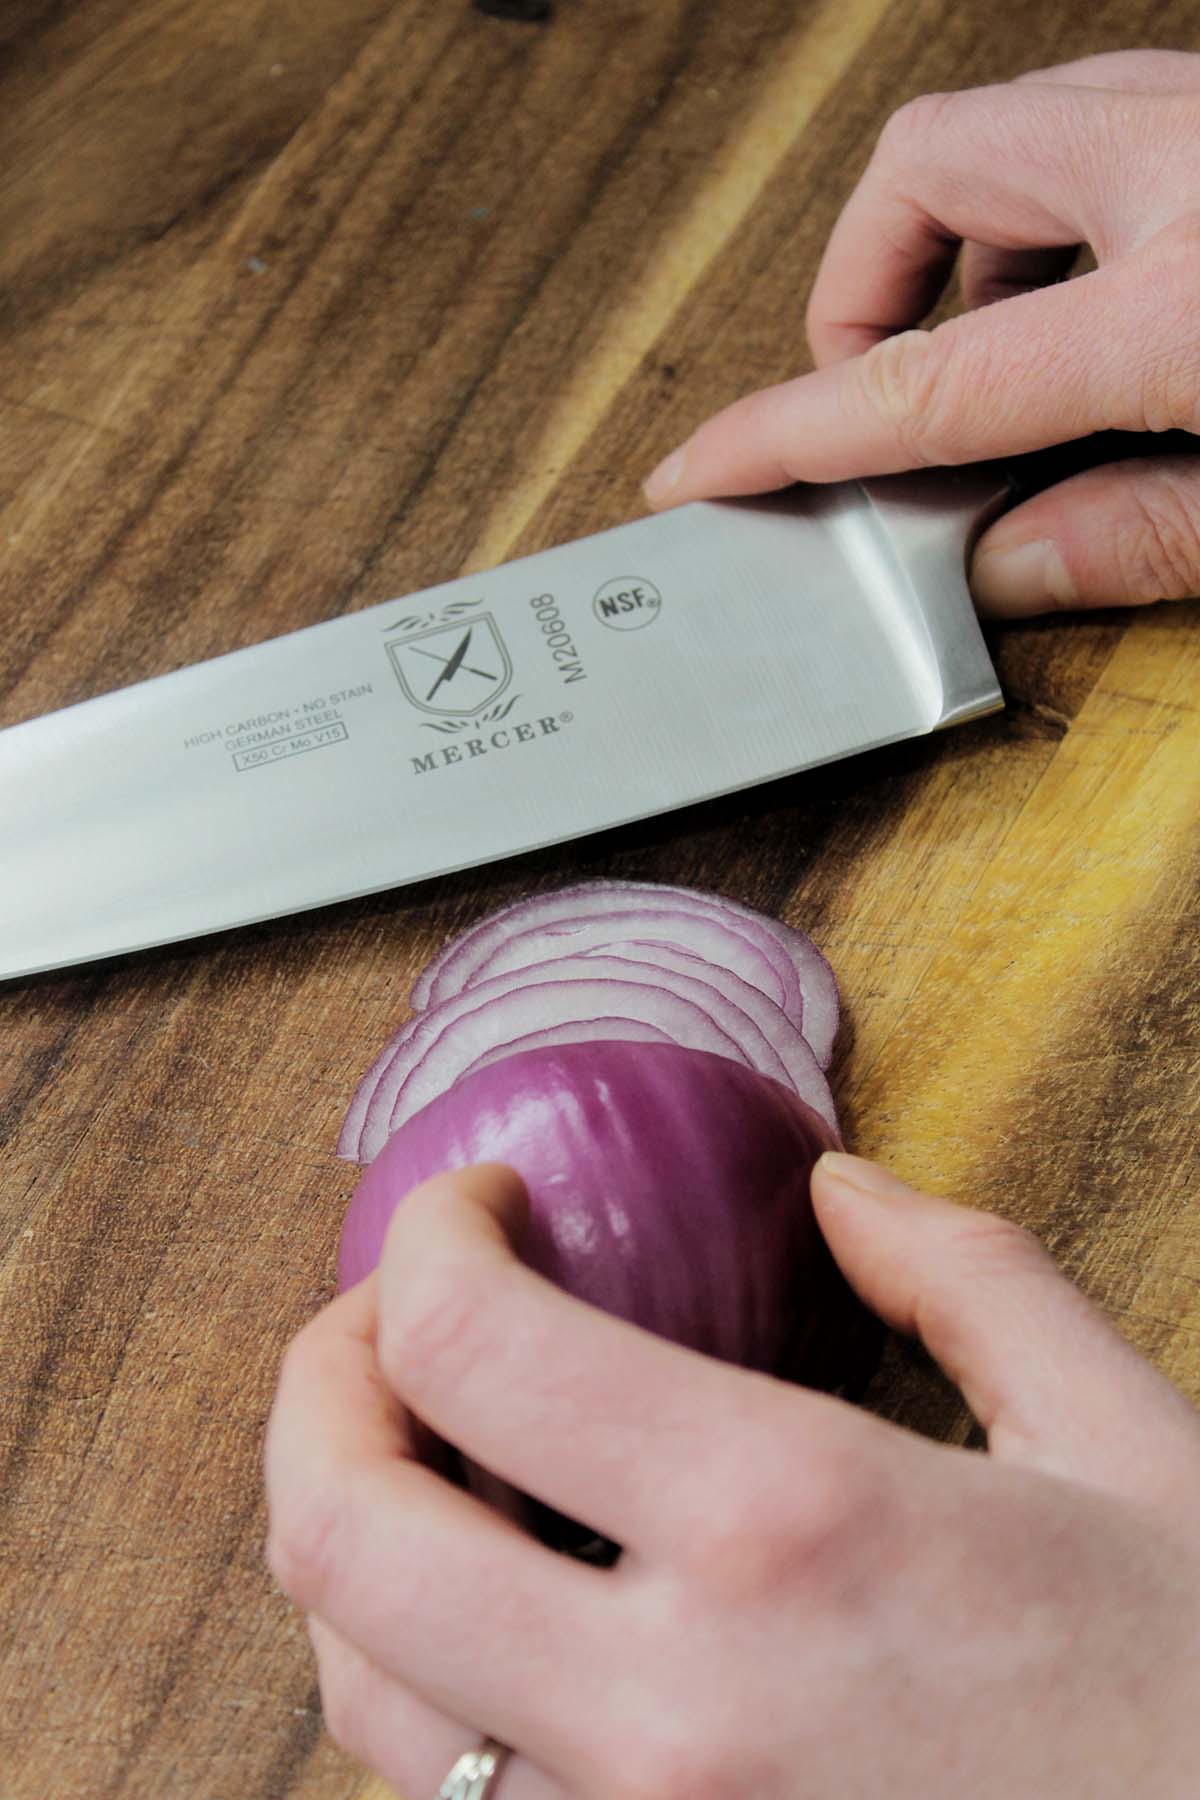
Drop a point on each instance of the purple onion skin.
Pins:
(667, 1186)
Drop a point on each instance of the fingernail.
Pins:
(1025, 578)
(865, 1177)
(662, 482)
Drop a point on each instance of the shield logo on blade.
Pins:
(453, 671)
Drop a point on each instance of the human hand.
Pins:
(811, 1602)
(1103, 152)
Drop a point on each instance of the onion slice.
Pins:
(791, 1047)
(435, 1049)
(567, 1031)
(782, 962)
(709, 939)
(470, 1025)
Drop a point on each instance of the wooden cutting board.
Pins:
(308, 304)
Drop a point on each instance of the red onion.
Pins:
(441, 1044)
(710, 939)
(636, 1054)
(667, 1186)
(783, 963)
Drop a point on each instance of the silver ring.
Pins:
(472, 1776)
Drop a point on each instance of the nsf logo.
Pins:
(627, 603)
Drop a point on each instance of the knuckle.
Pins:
(1157, 552)
(675, 1757)
(1170, 270)
(436, 1327)
(301, 1545)
(982, 1250)
(1176, 250)
(986, 1240)
(739, 1550)
(911, 126)
(778, 1528)
(301, 1516)
(902, 382)
(1170, 393)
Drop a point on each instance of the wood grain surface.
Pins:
(304, 305)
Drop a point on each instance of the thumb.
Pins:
(1051, 1380)
(1120, 535)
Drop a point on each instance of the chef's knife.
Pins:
(667, 661)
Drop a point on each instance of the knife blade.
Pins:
(663, 662)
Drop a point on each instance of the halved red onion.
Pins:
(450, 1038)
(666, 1186)
(782, 962)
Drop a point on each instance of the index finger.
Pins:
(1096, 354)
(618, 1429)
(424, 1579)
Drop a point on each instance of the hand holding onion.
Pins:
(808, 1602)
(812, 1603)
(650, 1061)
